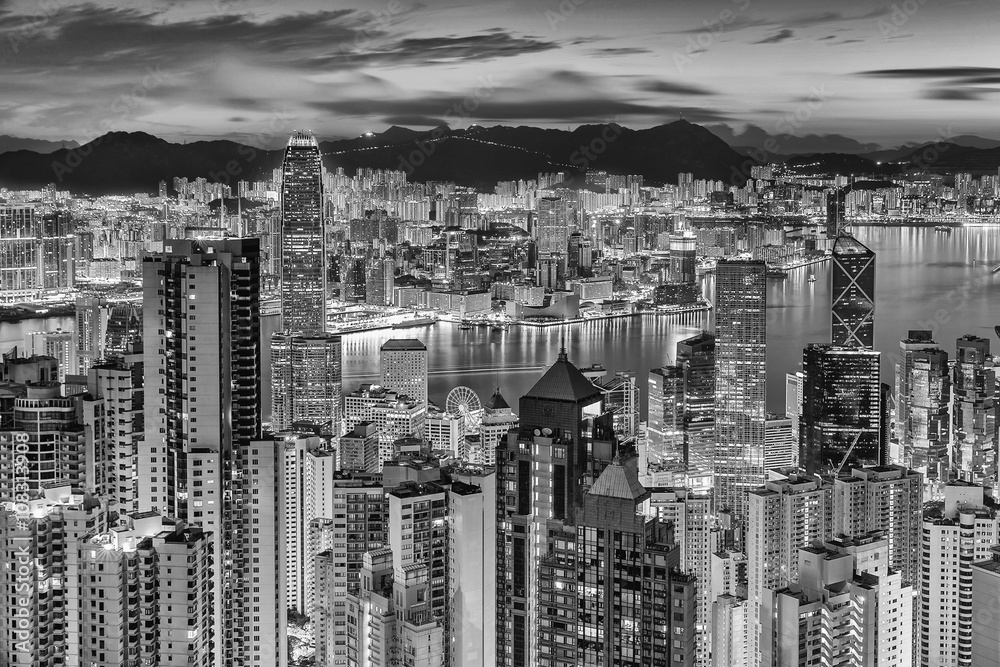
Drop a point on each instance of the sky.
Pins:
(252, 71)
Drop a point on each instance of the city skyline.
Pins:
(250, 70)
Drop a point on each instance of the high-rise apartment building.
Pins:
(306, 381)
(841, 412)
(853, 313)
(846, 609)
(202, 459)
(974, 418)
(395, 416)
(985, 594)
(957, 532)
(303, 239)
(403, 368)
(740, 382)
(784, 516)
(37, 253)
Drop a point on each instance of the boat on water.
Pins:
(465, 326)
(812, 277)
(415, 322)
(943, 228)
(777, 274)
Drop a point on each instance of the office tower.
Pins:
(654, 627)
(841, 403)
(472, 569)
(201, 343)
(957, 532)
(498, 420)
(784, 516)
(541, 470)
(853, 314)
(915, 340)
(56, 344)
(665, 449)
(974, 451)
(113, 422)
(339, 538)
(403, 366)
(683, 257)
(446, 434)
(394, 415)
(985, 593)
(379, 277)
(551, 232)
(793, 400)
(694, 532)
(780, 450)
(359, 450)
(303, 238)
(740, 382)
(306, 381)
(353, 281)
(835, 212)
(696, 360)
(887, 499)
(847, 608)
(927, 429)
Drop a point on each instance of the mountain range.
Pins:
(122, 162)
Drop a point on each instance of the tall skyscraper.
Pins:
(841, 401)
(403, 368)
(540, 473)
(552, 225)
(303, 239)
(306, 381)
(974, 418)
(740, 381)
(853, 314)
(200, 460)
(915, 340)
(928, 432)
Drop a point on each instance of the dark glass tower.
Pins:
(853, 313)
(303, 243)
(740, 381)
(841, 400)
(974, 425)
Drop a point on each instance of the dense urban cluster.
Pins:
(187, 478)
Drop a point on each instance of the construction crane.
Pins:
(847, 455)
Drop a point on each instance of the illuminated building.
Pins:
(853, 314)
(403, 368)
(306, 381)
(841, 402)
(303, 241)
(974, 425)
(740, 375)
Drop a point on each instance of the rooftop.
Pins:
(564, 382)
(403, 344)
(619, 481)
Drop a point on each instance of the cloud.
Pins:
(621, 51)
(414, 119)
(670, 88)
(778, 37)
(831, 18)
(930, 72)
(449, 49)
(963, 94)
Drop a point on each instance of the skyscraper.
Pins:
(306, 381)
(740, 375)
(303, 240)
(853, 314)
(974, 425)
(200, 455)
(403, 363)
(841, 401)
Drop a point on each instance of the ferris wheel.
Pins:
(465, 403)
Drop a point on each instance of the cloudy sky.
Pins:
(250, 70)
